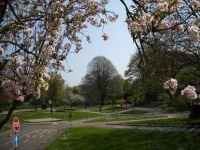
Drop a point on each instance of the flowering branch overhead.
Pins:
(165, 25)
(36, 35)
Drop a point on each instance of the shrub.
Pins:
(44, 106)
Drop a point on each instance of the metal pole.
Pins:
(15, 146)
(70, 122)
(87, 114)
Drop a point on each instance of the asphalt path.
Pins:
(33, 137)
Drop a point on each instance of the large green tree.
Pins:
(56, 91)
(157, 67)
(98, 81)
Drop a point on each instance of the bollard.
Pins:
(9, 133)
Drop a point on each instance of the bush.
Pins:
(178, 102)
(44, 106)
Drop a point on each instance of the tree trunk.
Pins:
(102, 102)
(12, 108)
(170, 100)
(170, 97)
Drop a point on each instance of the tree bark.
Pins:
(3, 6)
(170, 100)
(12, 108)
(170, 97)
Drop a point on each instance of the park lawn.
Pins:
(123, 117)
(107, 108)
(92, 138)
(165, 107)
(113, 109)
(169, 121)
(46, 114)
(134, 111)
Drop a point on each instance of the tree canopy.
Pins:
(98, 81)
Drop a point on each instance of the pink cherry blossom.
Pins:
(171, 85)
(189, 92)
(194, 33)
(19, 98)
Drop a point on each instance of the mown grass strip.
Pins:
(169, 121)
(123, 117)
(91, 138)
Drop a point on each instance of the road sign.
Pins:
(70, 115)
(16, 125)
(16, 140)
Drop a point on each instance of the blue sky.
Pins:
(118, 49)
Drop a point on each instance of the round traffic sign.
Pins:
(70, 115)
(16, 125)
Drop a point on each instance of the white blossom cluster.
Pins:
(37, 35)
(171, 85)
(189, 92)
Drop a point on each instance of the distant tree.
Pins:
(98, 81)
(68, 91)
(74, 100)
(56, 91)
(127, 87)
(155, 69)
(117, 88)
(75, 90)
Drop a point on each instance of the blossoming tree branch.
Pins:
(165, 25)
(39, 34)
(189, 92)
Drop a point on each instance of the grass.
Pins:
(134, 111)
(90, 138)
(113, 109)
(122, 117)
(46, 114)
(106, 109)
(170, 121)
(165, 107)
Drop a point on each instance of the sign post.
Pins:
(70, 118)
(16, 127)
(51, 106)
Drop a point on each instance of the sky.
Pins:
(118, 48)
